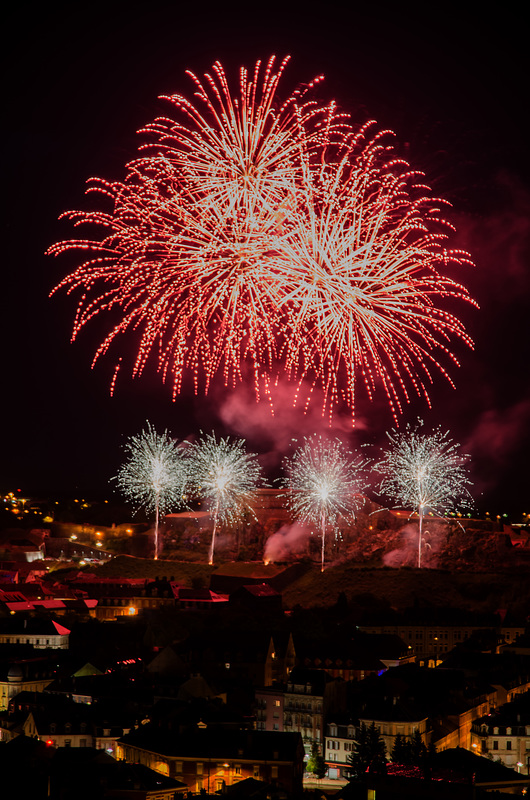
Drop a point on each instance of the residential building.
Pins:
(395, 717)
(39, 633)
(270, 703)
(29, 675)
(432, 633)
(304, 705)
(339, 744)
(210, 758)
(504, 734)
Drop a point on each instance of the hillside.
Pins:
(364, 586)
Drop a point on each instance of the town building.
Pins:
(38, 633)
(208, 759)
(432, 633)
(24, 675)
(339, 745)
(504, 734)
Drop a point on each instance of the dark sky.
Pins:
(81, 79)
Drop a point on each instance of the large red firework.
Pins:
(366, 291)
(254, 231)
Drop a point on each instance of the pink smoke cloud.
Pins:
(275, 420)
(433, 540)
(289, 540)
(495, 439)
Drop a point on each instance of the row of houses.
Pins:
(314, 690)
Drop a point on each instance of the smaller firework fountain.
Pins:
(226, 476)
(424, 471)
(155, 475)
(324, 481)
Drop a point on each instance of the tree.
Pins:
(369, 754)
(316, 764)
(413, 751)
(401, 751)
(418, 751)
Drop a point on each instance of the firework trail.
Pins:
(424, 471)
(324, 481)
(154, 477)
(251, 233)
(226, 476)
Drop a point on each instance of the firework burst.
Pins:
(324, 482)
(424, 471)
(242, 151)
(226, 476)
(188, 253)
(366, 293)
(256, 233)
(154, 477)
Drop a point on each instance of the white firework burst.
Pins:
(154, 477)
(324, 482)
(224, 475)
(424, 471)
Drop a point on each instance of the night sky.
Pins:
(80, 80)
